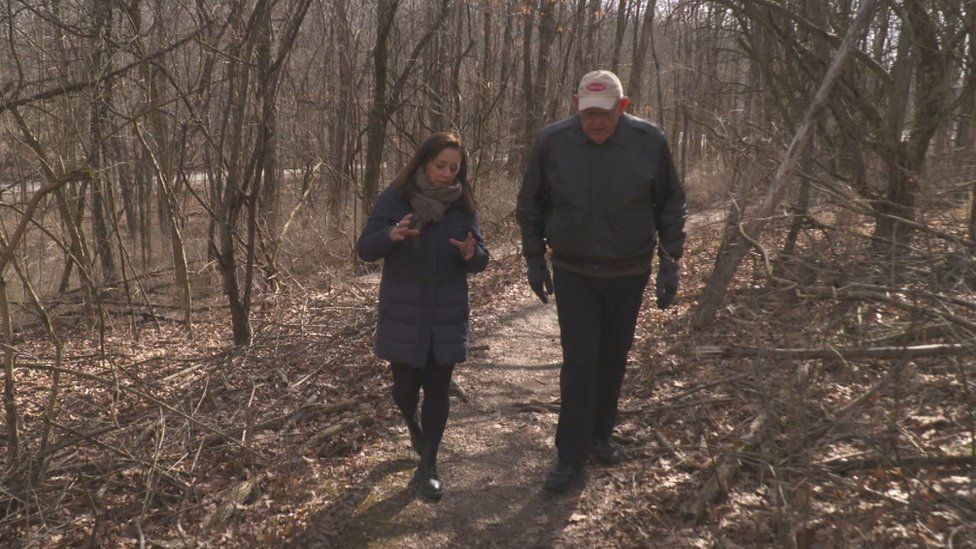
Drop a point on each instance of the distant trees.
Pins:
(202, 133)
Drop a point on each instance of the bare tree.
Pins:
(738, 242)
(383, 103)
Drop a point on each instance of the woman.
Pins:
(425, 227)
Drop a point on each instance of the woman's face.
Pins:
(442, 170)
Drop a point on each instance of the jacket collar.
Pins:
(619, 136)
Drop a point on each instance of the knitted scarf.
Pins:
(432, 201)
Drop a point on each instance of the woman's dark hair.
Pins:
(405, 183)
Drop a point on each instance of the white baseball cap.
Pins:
(600, 89)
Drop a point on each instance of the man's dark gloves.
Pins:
(666, 284)
(539, 279)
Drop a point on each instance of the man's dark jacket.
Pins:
(423, 303)
(601, 202)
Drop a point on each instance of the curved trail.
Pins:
(494, 457)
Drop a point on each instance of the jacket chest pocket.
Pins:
(632, 185)
(569, 181)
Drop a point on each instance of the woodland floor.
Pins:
(296, 443)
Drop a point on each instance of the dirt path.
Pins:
(495, 455)
(493, 458)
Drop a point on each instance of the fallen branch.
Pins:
(459, 391)
(863, 464)
(728, 465)
(339, 428)
(652, 409)
(231, 499)
(911, 351)
(848, 293)
(284, 422)
(538, 406)
(912, 334)
(727, 469)
(200, 309)
(668, 447)
(307, 412)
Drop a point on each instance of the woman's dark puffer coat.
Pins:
(424, 288)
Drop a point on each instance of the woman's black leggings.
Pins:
(436, 382)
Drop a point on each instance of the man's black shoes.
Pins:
(562, 477)
(605, 452)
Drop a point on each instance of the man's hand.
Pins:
(402, 229)
(666, 284)
(539, 279)
(466, 248)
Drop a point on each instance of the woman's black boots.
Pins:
(426, 475)
(416, 434)
(430, 483)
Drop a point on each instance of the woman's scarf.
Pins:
(430, 203)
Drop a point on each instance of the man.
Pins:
(601, 191)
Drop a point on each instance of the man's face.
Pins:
(599, 124)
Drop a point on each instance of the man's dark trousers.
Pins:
(597, 317)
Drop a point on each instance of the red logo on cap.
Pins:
(595, 87)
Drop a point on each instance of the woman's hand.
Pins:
(402, 229)
(467, 247)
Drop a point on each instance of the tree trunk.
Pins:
(636, 91)
(814, 9)
(547, 34)
(618, 36)
(459, 52)
(234, 190)
(799, 212)
(51, 408)
(270, 202)
(507, 57)
(591, 45)
(102, 17)
(127, 182)
(905, 158)
(972, 212)
(436, 86)
(9, 390)
(376, 123)
(341, 175)
(965, 135)
(579, 32)
(527, 89)
(176, 236)
(165, 169)
(246, 164)
(383, 104)
(79, 251)
(268, 163)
